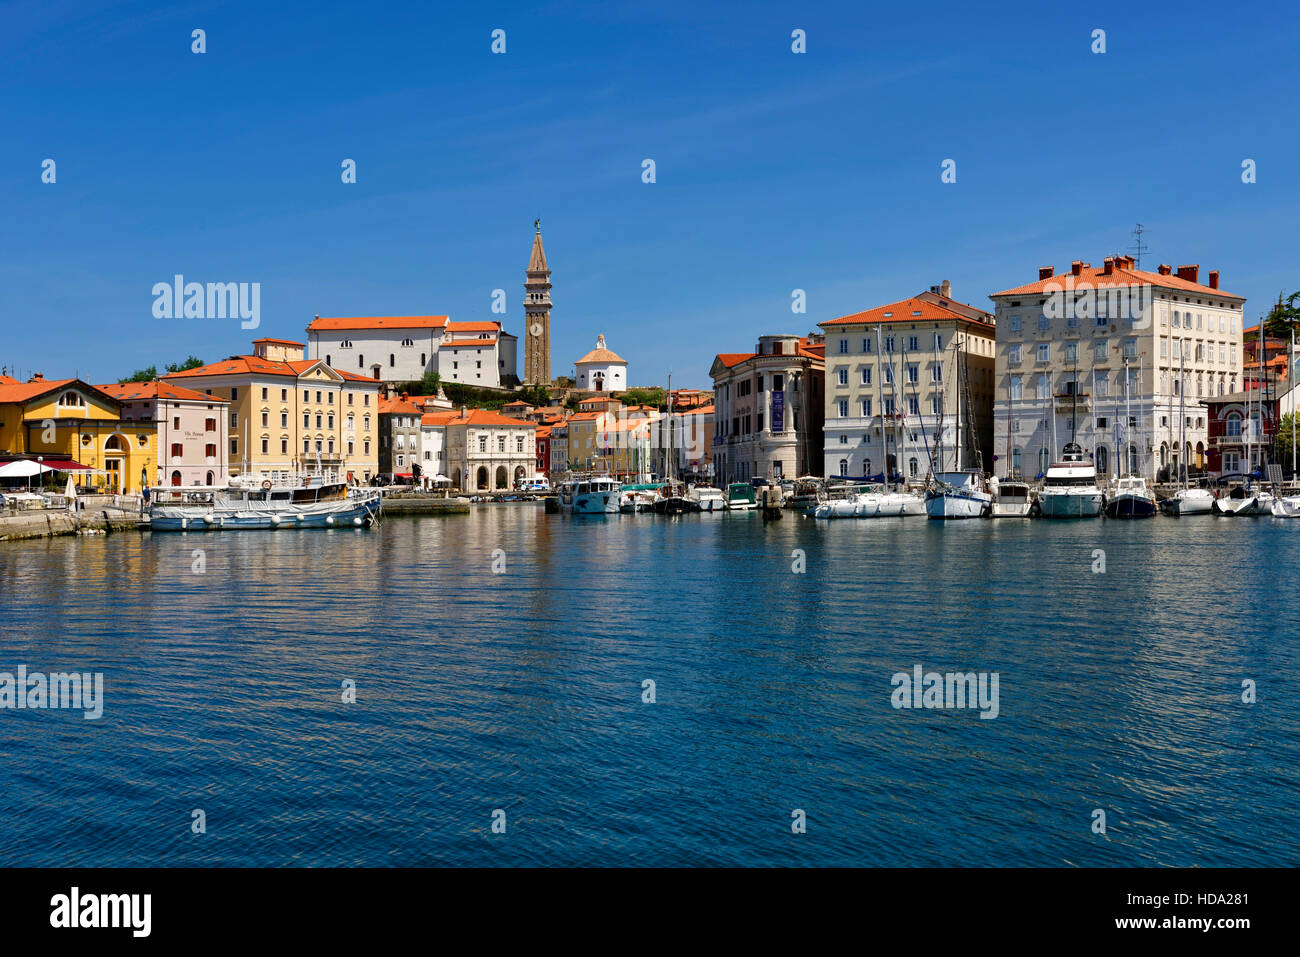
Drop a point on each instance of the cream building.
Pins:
(289, 415)
(1068, 345)
(405, 348)
(768, 409)
(489, 452)
(909, 388)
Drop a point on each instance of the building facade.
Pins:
(537, 315)
(191, 430)
(288, 415)
(769, 409)
(399, 437)
(1242, 429)
(1115, 359)
(489, 452)
(909, 389)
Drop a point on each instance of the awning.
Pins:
(67, 465)
(23, 468)
(401, 475)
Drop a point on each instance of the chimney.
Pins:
(1214, 279)
(1046, 272)
(1188, 272)
(464, 414)
(1076, 268)
(1108, 266)
(36, 377)
(945, 289)
(1164, 269)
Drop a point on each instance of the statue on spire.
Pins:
(537, 225)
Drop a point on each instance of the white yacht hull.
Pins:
(950, 504)
(1259, 504)
(883, 505)
(1190, 502)
(1083, 502)
(1287, 507)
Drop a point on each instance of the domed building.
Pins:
(601, 370)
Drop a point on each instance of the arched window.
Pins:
(329, 361)
(844, 466)
(114, 444)
(210, 478)
(1103, 460)
(361, 361)
(1132, 459)
(71, 399)
(1234, 423)
(912, 466)
(1015, 460)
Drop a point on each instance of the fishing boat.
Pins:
(1131, 498)
(1243, 501)
(597, 495)
(740, 497)
(268, 504)
(1070, 487)
(708, 498)
(1011, 499)
(958, 495)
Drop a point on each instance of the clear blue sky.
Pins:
(775, 171)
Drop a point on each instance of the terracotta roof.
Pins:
(438, 418)
(926, 307)
(586, 416)
(602, 355)
(543, 431)
(399, 406)
(485, 326)
(280, 342)
(730, 359)
(702, 410)
(126, 391)
(248, 365)
(14, 391)
(466, 343)
(1096, 276)
(479, 417)
(377, 322)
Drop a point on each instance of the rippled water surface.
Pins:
(522, 691)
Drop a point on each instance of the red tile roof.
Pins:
(15, 391)
(483, 326)
(1096, 276)
(249, 365)
(926, 307)
(127, 391)
(399, 406)
(438, 418)
(376, 322)
(482, 417)
(730, 359)
(279, 342)
(458, 343)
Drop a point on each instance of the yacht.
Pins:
(872, 501)
(1011, 499)
(958, 495)
(1189, 501)
(1286, 507)
(1131, 498)
(708, 498)
(1070, 487)
(1244, 501)
(590, 496)
(305, 502)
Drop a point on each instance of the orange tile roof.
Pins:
(15, 391)
(398, 406)
(376, 322)
(438, 418)
(914, 309)
(1096, 276)
(126, 391)
(586, 416)
(730, 359)
(256, 365)
(459, 343)
(480, 417)
(483, 326)
(280, 342)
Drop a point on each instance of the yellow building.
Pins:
(78, 429)
(290, 416)
(613, 443)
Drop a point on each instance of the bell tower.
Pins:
(537, 315)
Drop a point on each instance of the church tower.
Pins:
(537, 315)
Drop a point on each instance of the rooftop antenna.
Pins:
(1138, 246)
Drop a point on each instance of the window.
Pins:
(265, 446)
(867, 345)
(938, 342)
(234, 446)
(1013, 355)
(1164, 348)
(935, 408)
(210, 450)
(306, 420)
(889, 343)
(844, 408)
(889, 407)
(913, 405)
(866, 375)
(866, 408)
(844, 376)
(234, 394)
(1099, 351)
(209, 425)
(1043, 386)
(1234, 424)
(936, 372)
(178, 450)
(501, 443)
(482, 443)
(284, 446)
(519, 443)
(1013, 323)
(1044, 323)
(844, 466)
(1015, 387)
(1130, 348)
(234, 420)
(1044, 352)
(844, 346)
(1071, 352)
(1101, 378)
(913, 343)
(392, 360)
(913, 372)
(361, 362)
(889, 373)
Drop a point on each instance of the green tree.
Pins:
(1282, 443)
(430, 383)
(1283, 317)
(147, 374)
(653, 395)
(192, 362)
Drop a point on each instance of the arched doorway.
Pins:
(1132, 459)
(1103, 460)
(503, 478)
(210, 478)
(114, 452)
(481, 478)
(519, 474)
(176, 477)
(1200, 455)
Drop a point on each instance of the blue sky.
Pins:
(775, 171)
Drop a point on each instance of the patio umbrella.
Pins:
(23, 468)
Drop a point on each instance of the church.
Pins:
(601, 370)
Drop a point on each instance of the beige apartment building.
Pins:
(289, 415)
(909, 388)
(1115, 359)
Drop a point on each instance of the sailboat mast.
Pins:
(1182, 416)
(961, 370)
(880, 401)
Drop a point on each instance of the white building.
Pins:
(601, 370)
(1068, 345)
(909, 388)
(487, 451)
(405, 348)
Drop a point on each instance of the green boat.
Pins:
(740, 496)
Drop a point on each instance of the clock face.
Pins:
(536, 329)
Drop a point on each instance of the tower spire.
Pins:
(537, 314)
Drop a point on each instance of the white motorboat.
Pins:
(1131, 498)
(1070, 487)
(1244, 502)
(958, 495)
(873, 503)
(740, 497)
(309, 502)
(1286, 507)
(709, 499)
(1189, 501)
(591, 496)
(1011, 499)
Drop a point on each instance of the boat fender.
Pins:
(329, 519)
(357, 522)
(275, 519)
(266, 485)
(987, 510)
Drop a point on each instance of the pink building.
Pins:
(191, 428)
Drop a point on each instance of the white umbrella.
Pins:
(23, 468)
(71, 490)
